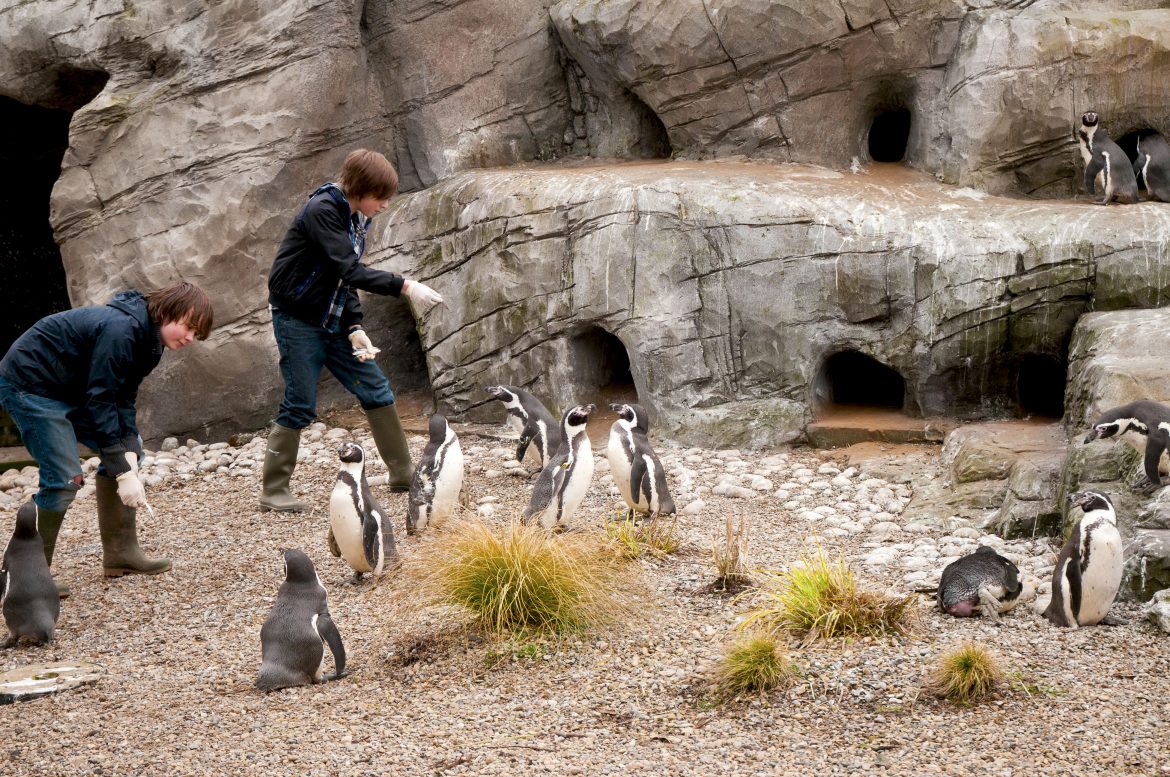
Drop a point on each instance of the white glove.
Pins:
(132, 460)
(130, 490)
(422, 295)
(363, 349)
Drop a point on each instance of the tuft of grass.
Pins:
(965, 674)
(523, 579)
(754, 664)
(821, 600)
(631, 539)
(730, 558)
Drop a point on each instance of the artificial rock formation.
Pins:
(197, 129)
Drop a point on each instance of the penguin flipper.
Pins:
(522, 446)
(639, 481)
(1155, 446)
(1091, 170)
(542, 492)
(327, 630)
(332, 542)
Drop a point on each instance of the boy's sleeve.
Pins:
(327, 228)
(111, 363)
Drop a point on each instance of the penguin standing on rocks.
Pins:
(1088, 569)
(294, 636)
(636, 469)
(359, 530)
(531, 419)
(1152, 166)
(1147, 418)
(566, 476)
(1106, 164)
(983, 581)
(434, 489)
(28, 596)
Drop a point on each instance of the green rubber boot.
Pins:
(117, 524)
(48, 526)
(279, 462)
(391, 441)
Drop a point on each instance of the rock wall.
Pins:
(199, 127)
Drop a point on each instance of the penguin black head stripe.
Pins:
(632, 414)
(1089, 501)
(1089, 119)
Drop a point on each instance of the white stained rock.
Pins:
(695, 507)
(736, 492)
(880, 557)
(1158, 610)
(760, 484)
(914, 562)
(485, 510)
(169, 444)
(841, 482)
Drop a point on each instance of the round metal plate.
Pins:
(34, 680)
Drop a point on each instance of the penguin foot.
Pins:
(338, 675)
(1112, 620)
(1146, 486)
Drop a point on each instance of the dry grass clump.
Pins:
(821, 600)
(522, 579)
(631, 539)
(965, 674)
(731, 573)
(756, 663)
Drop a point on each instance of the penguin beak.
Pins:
(1090, 437)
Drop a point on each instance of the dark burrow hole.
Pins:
(653, 139)
(601, 368)
(852, 378)
(1040, 385)
(888, 135)
(33, 140)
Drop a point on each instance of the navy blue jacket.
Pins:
(94, 359)
(318, 266)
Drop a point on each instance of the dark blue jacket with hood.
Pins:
(94, 359)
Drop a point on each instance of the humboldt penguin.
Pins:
(359, 530)
(565, 478)
(636, 470)
(1106, 164)
(434, 489)
(982, 581)
(537, 428)
(1088, 569)
(1147, 418)
(28, 596)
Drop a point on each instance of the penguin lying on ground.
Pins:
(293, 637)
(1152, 166)
(983, 581)
(1149, 419)
(1105, 163)
(28, 596)
(434, 489)
(638, 473)
(1088, 569)
(531, 419)
(359, 530)
(565, 478)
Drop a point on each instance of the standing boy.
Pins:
(317, 320)
(74, 377)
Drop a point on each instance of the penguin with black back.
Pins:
(1147, 418)
(28, 596)
(639, 475)
(294, 636)
(537, 427)
(1088, 570)
(566, 476)
(438, 478)
(982, 582)
(1152, 166)
(1106, 165)
(359, 529)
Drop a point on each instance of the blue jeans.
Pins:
(51, 430)
(307, 348)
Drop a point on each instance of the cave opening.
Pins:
(853, 378)
(889, 134)
(1040, 385)
(601, 368)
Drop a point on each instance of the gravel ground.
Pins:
(429, 696)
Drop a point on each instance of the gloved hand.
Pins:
(422, 295)
(363, 349)
(130, 489)
(132, 460)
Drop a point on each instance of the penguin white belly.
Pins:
(347, 528)
(619, 464)
(578, 483)
(448, 483)
(1102, 578)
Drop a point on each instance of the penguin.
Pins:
(636, 469)
(28, 596)
(536, 426)
(1147, 418)
(434, 489)
(1088, 569)
(1105, 163)
(1152, 166)
(359, 530)
(293, 638)
(983, 581)
(565, 478)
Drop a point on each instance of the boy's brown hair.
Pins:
(367, 173)
(182, 302)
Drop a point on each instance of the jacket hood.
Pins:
(133, 303)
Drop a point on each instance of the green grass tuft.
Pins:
(965, 674)
(821, 600)
(523, 580)
(754, 664)
(631, 539)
